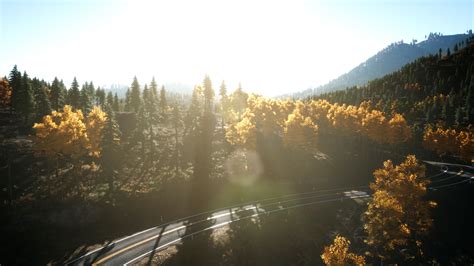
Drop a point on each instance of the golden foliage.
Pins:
(5, 93)
(338, 254)
(67, 133)
(412, 86)
(299, 131)
(95, 124)
(301, 121)
(456, 142)
(397, 214)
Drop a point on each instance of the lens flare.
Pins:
(243, 167)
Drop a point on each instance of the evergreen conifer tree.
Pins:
(57, 95)
(74, 95)
(110, 158)
(115, 105)
(135, 100)
(25, 98)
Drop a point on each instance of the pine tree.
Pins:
(110, 99)
(223, 94)
(469, 105)
(224, 103)
(202, 161)
(15, 84)
(85, 98)
(110, 158)
(154, 89)
(25, 98)
(116, 105)
(163, 104)
(208, 93)
(74, 95)
(57, 95)
(91, 90)
(43, 106)
(135, 101)
(100, 95)
(177, 124)
(127, 107)
(458, 118)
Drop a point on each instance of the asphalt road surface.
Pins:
(133, 248)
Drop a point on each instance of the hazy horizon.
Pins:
(271, 47)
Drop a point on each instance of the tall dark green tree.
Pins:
(208, 93)
(163, 105)
(74, 94)
(85, 98)
(57, 95)
(147, 119)
(135, 101)
(469, 105)
(154, 89)
(177, 125)
(100, 97)
(203, 152)
(15, 83)
(43, 105)
(116, 105)
(91, 90)
(224, 103)
(110, 159)
(127, 105)
(110, 99)
(25, 98)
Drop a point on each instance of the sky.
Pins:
(271, 47)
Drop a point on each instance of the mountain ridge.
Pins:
(388, 60)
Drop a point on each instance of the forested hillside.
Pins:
(391, 59)
(434, 91)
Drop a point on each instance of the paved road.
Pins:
(137, 246)
(132, 248)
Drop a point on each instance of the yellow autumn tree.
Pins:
(398, 217)
(61, 134)
(450, 141)
(95, 124)
(68, 133)
(299, 131)
(398, 129)
(373, 126)
(337, 254)
(286, 118)
(243, 133)
(5, 93)
(466, 144)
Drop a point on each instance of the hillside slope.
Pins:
(389, 60)
(431, 90)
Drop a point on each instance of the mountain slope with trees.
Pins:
(391, 59)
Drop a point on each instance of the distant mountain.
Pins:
(389, 60)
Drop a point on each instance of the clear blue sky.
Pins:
(272, 47)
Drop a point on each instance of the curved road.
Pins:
(133, 248)
(137, 246)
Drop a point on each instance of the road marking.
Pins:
(113, 243)
(206, 212)
(238, 219)
(136, 245)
